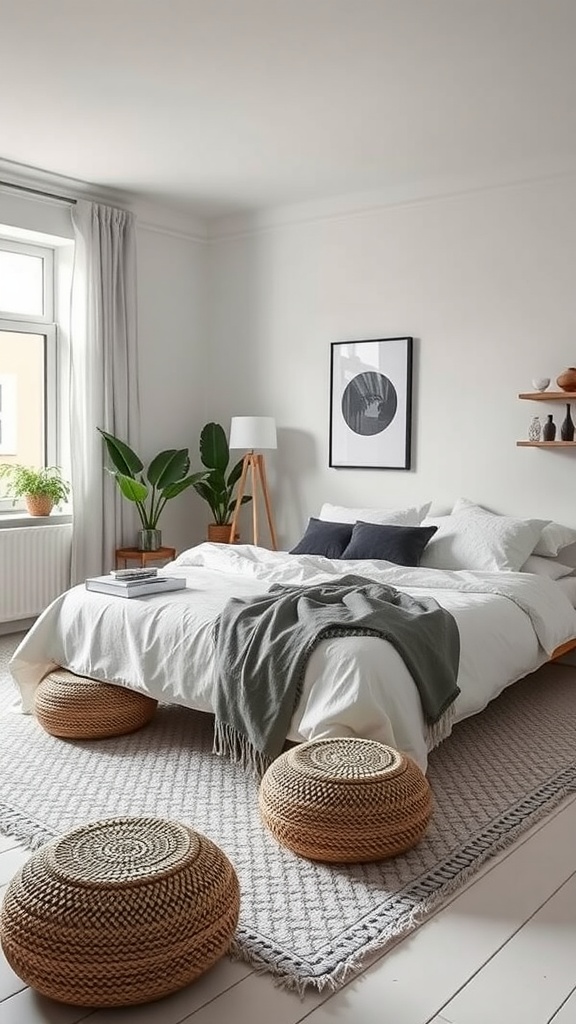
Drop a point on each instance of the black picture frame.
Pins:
(371, 404)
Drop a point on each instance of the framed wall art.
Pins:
(371, 403)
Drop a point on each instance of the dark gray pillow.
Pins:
(401, 544)
(324, 538)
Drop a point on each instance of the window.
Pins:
(28, 371)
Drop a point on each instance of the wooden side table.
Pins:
(143, 557)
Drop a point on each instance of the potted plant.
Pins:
(164, 479)
(41, 489)
(218, 485)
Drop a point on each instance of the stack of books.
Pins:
(134, 583)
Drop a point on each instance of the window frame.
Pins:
(40, 324)
(46, 254)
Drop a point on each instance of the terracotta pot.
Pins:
(220, 534)
(39, 504)
(567, 379)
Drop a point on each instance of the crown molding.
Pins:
(403, 195)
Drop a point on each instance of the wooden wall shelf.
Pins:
(546, 444)
(548, 396)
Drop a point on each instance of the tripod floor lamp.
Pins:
(254, 432)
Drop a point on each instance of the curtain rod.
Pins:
(38, 192)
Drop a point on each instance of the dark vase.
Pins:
(549, 430)
(567, 428)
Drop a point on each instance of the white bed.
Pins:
(510, 623)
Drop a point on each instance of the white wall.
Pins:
(485, 282)
(172, 341)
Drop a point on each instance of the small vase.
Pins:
(149, 540)
(549, 430)
(567, 428)
(535, 429)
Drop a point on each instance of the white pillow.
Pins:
(553, 538)
(547, 567)
(383, 516)
(473, 538)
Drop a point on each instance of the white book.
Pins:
(159, 585)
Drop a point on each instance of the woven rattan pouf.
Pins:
(120, 911)
(74, 707)
(345, 800)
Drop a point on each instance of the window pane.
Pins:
(22, 407)
(21, 283)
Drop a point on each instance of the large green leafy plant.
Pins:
(218, 485)
(149, 489)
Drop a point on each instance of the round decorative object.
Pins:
(120, 911)
(540, 383)
(369, 403)
(74, 707)
(567, 379)
(345, 800)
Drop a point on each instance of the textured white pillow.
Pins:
(553, 538)
(383, 516)
(547, 567)
(473, 538)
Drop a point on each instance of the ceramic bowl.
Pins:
(540, 383)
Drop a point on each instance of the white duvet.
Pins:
(509, 623)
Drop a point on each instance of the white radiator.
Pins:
(34, 569)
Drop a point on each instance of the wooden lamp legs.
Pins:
(255, 464)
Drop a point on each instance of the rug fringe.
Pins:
(19, 826)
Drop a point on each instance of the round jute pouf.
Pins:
(74, 707)
(118, 912)
(345, 800)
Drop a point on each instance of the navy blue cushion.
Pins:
(324, 538)
(401, 544)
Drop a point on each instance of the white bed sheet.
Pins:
(509, 624)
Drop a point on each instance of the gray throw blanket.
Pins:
(263, 644)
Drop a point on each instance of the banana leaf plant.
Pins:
(218, 485)
(149, 489)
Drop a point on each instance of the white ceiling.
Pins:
(224, 106)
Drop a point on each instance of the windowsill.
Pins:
(10, 520)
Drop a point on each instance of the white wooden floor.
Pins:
(503, 951)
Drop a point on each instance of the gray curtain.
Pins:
(104, 380)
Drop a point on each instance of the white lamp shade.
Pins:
(252, 432)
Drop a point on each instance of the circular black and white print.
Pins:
(369, 403)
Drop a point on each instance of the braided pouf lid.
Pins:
(75, 707)
(345, 800)
(121, 911)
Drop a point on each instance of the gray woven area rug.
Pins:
(308, 924)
